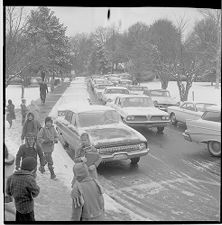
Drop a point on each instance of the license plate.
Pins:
(120, 157)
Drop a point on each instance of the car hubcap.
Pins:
(216, 147)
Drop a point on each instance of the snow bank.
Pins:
(203, 91)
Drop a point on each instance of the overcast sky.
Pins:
(87, 19)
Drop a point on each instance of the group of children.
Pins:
(86, 194)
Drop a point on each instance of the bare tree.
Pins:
(215, 16)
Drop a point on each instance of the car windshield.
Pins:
(139, 88)
(97, 117)
(137, 102)
(160, 93)
(117, 91)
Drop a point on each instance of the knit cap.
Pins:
(29, 163)
(47, 119)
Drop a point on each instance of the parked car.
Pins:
(114, 79)
(110, 93)
(207, 130)
(126, 76)
(97, 81)
(187, 110)
(111, 137)
(137, 89)
(99, 88)
(138, 110)
(125, 82)
(161, 98)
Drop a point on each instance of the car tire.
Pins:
(214, 148)
(160, 129)
(173, 119)
(135, 161)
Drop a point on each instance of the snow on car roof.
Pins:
(117, 88)
(85, 108)
(133, 96)
(215, 108)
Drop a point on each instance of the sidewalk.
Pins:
(54, 202)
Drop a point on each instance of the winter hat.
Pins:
(47, 119)
(80, 171)
(29, 163)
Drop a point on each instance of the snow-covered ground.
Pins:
(203, 91)
(14, 92)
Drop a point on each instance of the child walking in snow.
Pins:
(24, 110)
(10, 112)
(23, 188)
(87, 196)
(47, 137)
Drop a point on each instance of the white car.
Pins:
(138, 110)
(110, 93)
(113, 139)
(187, 110)
(161, 98)
(207, 130)
(99, 88)
(137, 89)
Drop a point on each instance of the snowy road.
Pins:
(176, 181)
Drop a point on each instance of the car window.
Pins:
(160, 93)
(184, 106)
(137, 102)
(190, 106)
(116, 101)
(68, 116)
(202, 107)
(212, 116)
(116, 91)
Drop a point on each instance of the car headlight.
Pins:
(130, 118)
(142, 146)
(163, 117)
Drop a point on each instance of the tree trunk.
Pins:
(23, 90)
(218, 70)
(164, 84)
(184, 91)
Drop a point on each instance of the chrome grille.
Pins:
(140, 118)
(111, 150)
(155, 118)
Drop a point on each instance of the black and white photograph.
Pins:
(111, 114)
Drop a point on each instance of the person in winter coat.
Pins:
(21, 185)
(10, 112)
(47, 137)
(43, 91)
(30, 149)
(30, 126)
(35, 110)
(8, 200)
(87, 196)
(89, 155)
(24, 110)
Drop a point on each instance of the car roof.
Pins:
(133, 96)
(158, 90)
(215, 108)
(86, 108)
(114, 87)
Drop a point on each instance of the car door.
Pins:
(72, 133)
(180, 111)
(190, 112)
(207, 128)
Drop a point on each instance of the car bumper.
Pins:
(187, 137)
(148, 124)
(124, 155)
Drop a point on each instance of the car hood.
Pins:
(114, 134)
(143, 111)
(164, 100)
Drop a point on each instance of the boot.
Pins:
(42, 169)
(53, 176)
